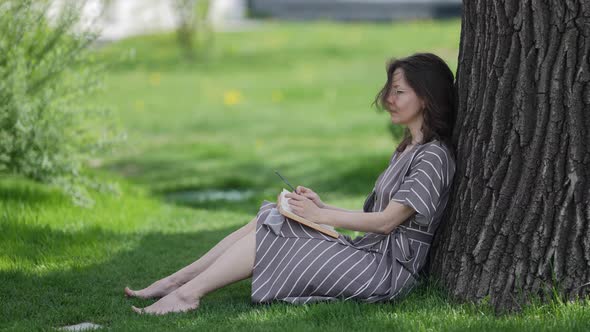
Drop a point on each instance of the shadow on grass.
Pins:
(14, 191)
(336, 176)
(90, 288)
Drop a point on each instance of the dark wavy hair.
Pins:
(432, 80)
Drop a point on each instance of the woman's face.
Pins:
(404, 106)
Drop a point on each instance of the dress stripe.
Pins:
(307, 268)
(320, 270)
(271, 276)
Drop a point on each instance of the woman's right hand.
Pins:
(301, 190)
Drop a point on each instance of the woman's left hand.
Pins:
(304, 207)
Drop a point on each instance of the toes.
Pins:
(161, 308)
(129, 292)
(147, 311)
(138, 310)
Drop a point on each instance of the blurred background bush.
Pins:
(46, 68)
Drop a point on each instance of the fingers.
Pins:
(302, 189)
(295, 196)
(296, 204)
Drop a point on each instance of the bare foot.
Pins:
(172, 302)
(158, 289)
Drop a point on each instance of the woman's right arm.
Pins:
(316, 199)
(329, 207)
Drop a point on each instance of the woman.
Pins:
(294, 263)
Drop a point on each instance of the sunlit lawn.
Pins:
(291, 97)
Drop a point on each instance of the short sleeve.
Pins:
(430, 176)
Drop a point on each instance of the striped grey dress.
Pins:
(297, 264)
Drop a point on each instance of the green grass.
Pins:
(301, 104)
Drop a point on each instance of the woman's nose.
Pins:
(390, 98)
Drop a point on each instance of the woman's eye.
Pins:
(397, 92)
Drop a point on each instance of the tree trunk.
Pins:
(186, 26)
(517, 224)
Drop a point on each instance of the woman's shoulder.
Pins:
(437, 150)
(435, 157)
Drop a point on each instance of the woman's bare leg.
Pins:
(168, 284)
(235, 264)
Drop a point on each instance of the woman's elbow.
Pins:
(387, 227)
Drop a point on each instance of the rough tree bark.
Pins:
(517, 224)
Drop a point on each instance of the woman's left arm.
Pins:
(383, 222)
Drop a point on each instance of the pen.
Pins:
(285, 180)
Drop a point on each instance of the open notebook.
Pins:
(286, 211)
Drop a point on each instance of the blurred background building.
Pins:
(355, 10)
(122, 18)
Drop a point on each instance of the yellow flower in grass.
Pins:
(232, 97)
(277, 96)
(155, 79)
